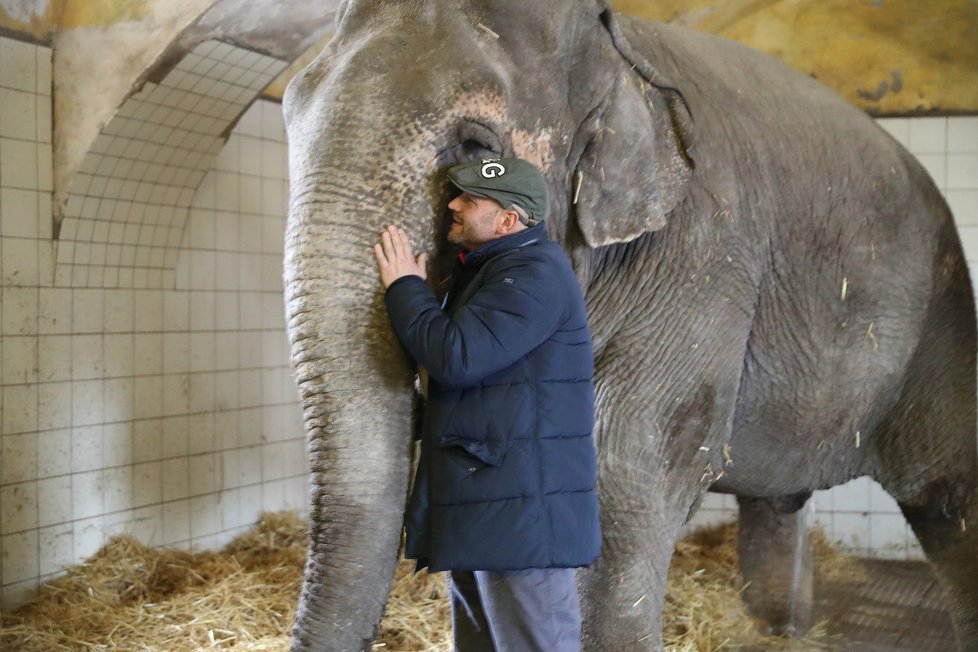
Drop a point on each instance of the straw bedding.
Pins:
(131, 597)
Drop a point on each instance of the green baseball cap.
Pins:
(514, 183)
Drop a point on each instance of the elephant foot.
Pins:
(776, 563)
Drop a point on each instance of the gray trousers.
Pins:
(515, 611)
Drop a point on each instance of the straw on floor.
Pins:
(132, 597)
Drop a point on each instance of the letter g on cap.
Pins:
(492, 169)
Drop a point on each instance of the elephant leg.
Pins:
(622, 594)
(945, 520)
(776, 562)
(931, 469)
(927, 454)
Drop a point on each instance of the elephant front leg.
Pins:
(623, 593)
(776, 562)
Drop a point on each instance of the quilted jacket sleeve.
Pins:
(521, 303)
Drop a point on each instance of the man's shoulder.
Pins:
(537, 254)
(540, 269)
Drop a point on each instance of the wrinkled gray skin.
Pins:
(712, 232)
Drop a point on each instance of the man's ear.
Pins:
(510, 221)
(637, 164)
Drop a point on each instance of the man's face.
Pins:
(475, 221)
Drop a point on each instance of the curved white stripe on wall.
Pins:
(128, 205)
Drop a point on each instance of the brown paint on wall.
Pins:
(886, 56)
(276, 90)
(102, 13)
(37, 29)
(889, 57)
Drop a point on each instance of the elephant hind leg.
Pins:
(926, 449)
(776, 561)
(945, 520)
(937, 490)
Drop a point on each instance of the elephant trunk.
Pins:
(362, 155)
(354, 386)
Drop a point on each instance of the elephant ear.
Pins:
(637, 165)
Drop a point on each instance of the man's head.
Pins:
(499, 197)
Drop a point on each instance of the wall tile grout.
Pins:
(105, 356)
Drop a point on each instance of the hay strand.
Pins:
(131, 597)
(488, 31)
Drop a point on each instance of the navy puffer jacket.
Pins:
(507, 471)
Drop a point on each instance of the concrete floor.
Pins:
(897, 607)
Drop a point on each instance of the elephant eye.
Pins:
(477, 141)
(471, 150)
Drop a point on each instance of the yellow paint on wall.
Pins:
(38, 28)
(66, 14)
(704, 15)
(886, 56)
(276, 90)
(102, 13)
(664, 12)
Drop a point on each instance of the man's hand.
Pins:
(395, 258)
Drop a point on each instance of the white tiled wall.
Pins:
(859, 514)
(126, 210)
(165, 412)
(948, 148)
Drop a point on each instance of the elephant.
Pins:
(776, 292)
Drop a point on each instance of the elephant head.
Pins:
(403, 91)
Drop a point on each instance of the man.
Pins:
(504, 495)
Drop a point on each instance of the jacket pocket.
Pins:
(486, 419)
(459, 478)
(480, 453)
(456, 476)
(461, 461)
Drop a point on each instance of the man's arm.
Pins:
(518, 307)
